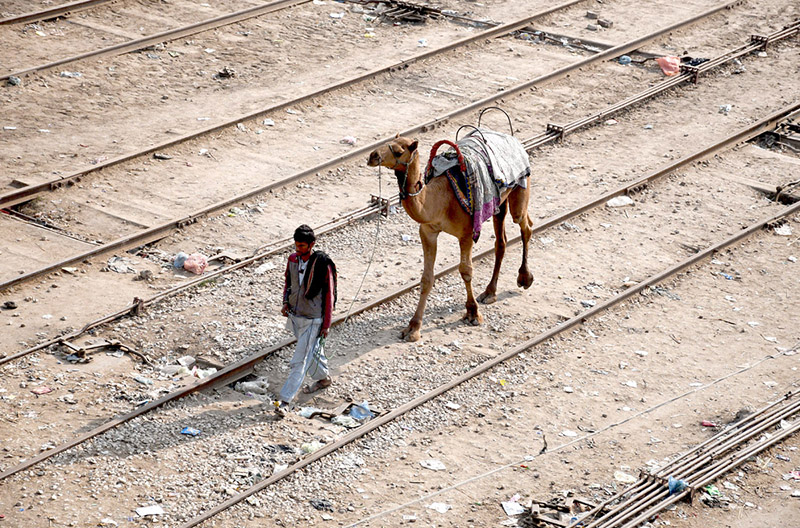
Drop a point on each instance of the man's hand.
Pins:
(285, 310)
(324, 332)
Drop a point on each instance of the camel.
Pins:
(435, 207)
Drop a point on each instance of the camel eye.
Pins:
(395, 154)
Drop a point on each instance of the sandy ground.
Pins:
(625, 391)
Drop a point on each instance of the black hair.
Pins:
(304, 234)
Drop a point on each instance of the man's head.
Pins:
(304, 239)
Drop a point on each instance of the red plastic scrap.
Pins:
(706, 423)
(669, 65)
(41, 390)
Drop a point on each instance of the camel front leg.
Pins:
(429, 238)
(518, 205)
(489, 295)
(465, 268)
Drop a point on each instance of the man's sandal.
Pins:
(316, 386)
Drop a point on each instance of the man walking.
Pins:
(309, 295)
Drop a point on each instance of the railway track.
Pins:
(157, 232)
(56, 11)
(628, 188)
(235, 371)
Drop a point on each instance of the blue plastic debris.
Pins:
(624, 60)
(676, 485)
(729, 277)
(190, 431)
(361, 412)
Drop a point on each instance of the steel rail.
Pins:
(489, 364)
(16, 196)
(555, 132)
(229, 373)
(637, 491)
(53, 12)
(721, 470)
(157, 232)
(655, 491)
(164, 36)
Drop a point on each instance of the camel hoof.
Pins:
(486, 298)
(524, 280)
(473, 319)
(410, 334)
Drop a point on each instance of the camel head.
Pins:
(396, 154)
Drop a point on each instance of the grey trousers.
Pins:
(307, 358)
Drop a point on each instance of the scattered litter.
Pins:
(676, 485)
(452, 406)
(619, 201)
(180, 259)
(512, 507)
(730, 485)
(588, 303)
(186, 361)
(432, 464)
(724, 109)
(712, 490)
(150, 510)
(569, 389)
(225, 73)
(641, 353)
(108, 522)
(268, 122)
(632, 384)
(784, 230)
(771, 339)
(439, 507)
(611, 122)
(625, 478)
(727, 276)
(311, 447)
(361, 412)
(669, 65)
(161, 156)
(209, 50)
(9, 128)
(707, 423)
(762, 54)
(337, 15)
(143, 380)
(13, 80)
(792, 475)
(259, 386)
(195, 263)
(70, 74)
(791, 258)
(42, 390)
(624, 60)
(119, 265)
(306, 412)
(345, 421)
(422, 43)
(265, 267)
(321, 504)
(348, 140)
(191, 431)
(203, 373)
(568, 433)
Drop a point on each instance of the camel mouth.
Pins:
(374, 159)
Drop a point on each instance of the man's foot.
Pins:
(317, 385)
(281, 408)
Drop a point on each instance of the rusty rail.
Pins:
(53, 12)
(164, 36)
(160, 231)
(229, 373)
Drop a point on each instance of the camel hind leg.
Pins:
(489, 295)
(518, 205)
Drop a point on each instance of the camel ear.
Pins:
(413, 146)
(397, 135)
